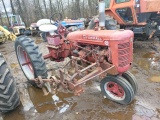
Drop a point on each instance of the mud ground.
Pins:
(91, 105)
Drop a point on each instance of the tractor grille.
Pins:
(123, 54)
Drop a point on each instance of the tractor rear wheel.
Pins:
(110, 23)
(9, 97)
(30, 59)
(117, 89)
(131, 79)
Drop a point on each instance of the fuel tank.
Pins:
(101, 37)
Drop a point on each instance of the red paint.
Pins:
(28, 63)
(115, 89)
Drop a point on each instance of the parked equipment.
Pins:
(106, 54)
(16, 25)
(140, 16)
(6, 35)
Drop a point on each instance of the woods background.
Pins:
(33, 10)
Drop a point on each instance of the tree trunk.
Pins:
(6, 13)
(83, 8)
(1, 19)
(40, 9)
(78, 8)
(44, 2)
(73, 10)
(20, 11)
(26, 16)
(63, 14)
(58, 5)
(68, 10)
(51, 7)
(90, 8)
(12, 7)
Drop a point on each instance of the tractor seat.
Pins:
(44, 21)
(48, 28)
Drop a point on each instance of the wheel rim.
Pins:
(25, 63)
(114, 91)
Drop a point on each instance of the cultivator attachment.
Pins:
(75, 80)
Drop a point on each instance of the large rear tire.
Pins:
(117, 89)
(9, 97)
(110, 23)
(30, 59)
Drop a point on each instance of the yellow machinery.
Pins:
(6, 35)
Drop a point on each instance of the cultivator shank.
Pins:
(74, 81)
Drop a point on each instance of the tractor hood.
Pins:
(101, 37)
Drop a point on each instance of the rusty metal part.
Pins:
(78, 90)
(151, 35)
(42, 85)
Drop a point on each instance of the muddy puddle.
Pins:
(86, 107)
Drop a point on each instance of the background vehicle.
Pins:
(6, 35)
(140, 16)
(17, 26)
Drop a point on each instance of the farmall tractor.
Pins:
(140, 16)
(106, 54)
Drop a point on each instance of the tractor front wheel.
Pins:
(131, 79)
(117, 89)
(30, 59)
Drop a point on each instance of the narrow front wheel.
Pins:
(117, 89)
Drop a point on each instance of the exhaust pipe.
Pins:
(101, 13)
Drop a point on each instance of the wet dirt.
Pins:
(38, 41)
(155, 79)
(91, 105)
(13, 65)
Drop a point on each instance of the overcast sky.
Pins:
(7, 4)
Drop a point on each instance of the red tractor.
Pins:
(99, 52)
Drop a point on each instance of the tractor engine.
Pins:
(113, 47)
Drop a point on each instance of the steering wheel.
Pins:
(55, 17)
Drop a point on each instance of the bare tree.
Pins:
(78, 11)
(90, 7)
(25, 14)
(51, 7)
(1, 19)
(62, 8)
(12, 7)
(44, 2)
(83, 8)
(6, 13)
(33, 10)
(40, 9)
